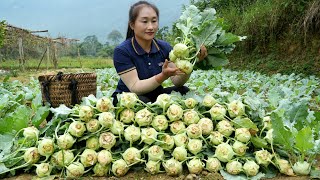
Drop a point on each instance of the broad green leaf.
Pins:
(281, 135)
(15, 121)
(315, 174)
(240, 122)
(298, 114)
(227, 38)
(258, 142)
(207, 34)
(304, 140)
(40, 116)
(3, 168)
(6, 142)
(208, 14)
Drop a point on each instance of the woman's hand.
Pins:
(203, 53)
(167, 71)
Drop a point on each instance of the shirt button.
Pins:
(149, 64)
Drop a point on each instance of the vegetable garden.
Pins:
(242, 125)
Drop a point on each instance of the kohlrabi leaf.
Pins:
(281, 134)
(16, 120)
(304, 140)
(40, 115)
(208, 14)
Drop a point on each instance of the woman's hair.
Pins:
(133, 14)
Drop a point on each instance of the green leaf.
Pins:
(304, 140)
(315, 174)
(6, 142)
(15, 121)
(40, 116)
(258, 142)
(207, 34)
(227, 38)
(281, 135)
(298, 114)
(244, 123)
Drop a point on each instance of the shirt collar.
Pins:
(140, 51)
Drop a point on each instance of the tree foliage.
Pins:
(90, 46)
(2, 32)
(115, 36)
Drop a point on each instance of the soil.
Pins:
(142, 175)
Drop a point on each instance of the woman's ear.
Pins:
(132, 26)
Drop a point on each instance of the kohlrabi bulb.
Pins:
(88, 157)
(127, 116)
(217, 112)
(236, 108)
(65, 141)
(163, 100)
(239, 148)
(180, 153)
(100, 170)
(174, 112)
(107, 140)
(194, 131)
(190, 103)
(167, 142)
(143, 117)
(93, 125)
(195, 166)
(185, 66)
(191, 116)
(43, 170)
(215, 138)
(104, 104)
(132, 133)
(224, 152)
(180, 139)
(160, 123)
(77, 128)
(31, 155)
(225, 127)
(120, 168)
(46, 147)
(213, 164)
(31, 133)
(106, 119)
(263, 157)
(75, 170)
(153, 167)
(172, 57)
(172, 167)
(242, 135)
(234, 167)
(85, 113)
(128, 99)
(93, 143)
(284, 167)
(117, 128)
(104, 157)
(302, 168)
(194, 146)
(251, 168)
(206, 125)
(180, 50)
(155, 153)
(209, 101)
(177, 127)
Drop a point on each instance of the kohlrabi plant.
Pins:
(172, 167)
(201, 28)
(195, 166)
(104, 104)
(177, 127)
(127, 116)
(88, 157)
(143, 117)
(120, 168)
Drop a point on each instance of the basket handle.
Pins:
(73, 88)
(45, 85)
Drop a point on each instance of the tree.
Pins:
(90, 46)
(2, 32)
(115, 36)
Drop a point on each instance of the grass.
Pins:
(64, 62)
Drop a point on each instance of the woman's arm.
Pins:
(135, 85)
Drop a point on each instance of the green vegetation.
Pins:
(283, 36)
(64, 62)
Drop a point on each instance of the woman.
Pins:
(141, 61)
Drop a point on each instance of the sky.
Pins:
(80, 18)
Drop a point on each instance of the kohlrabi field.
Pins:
(231, 125)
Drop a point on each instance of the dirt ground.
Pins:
(142, 175)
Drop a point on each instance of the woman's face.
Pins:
(146, 24)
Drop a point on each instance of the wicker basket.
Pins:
(67, 89)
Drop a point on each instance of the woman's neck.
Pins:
(145, 44)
